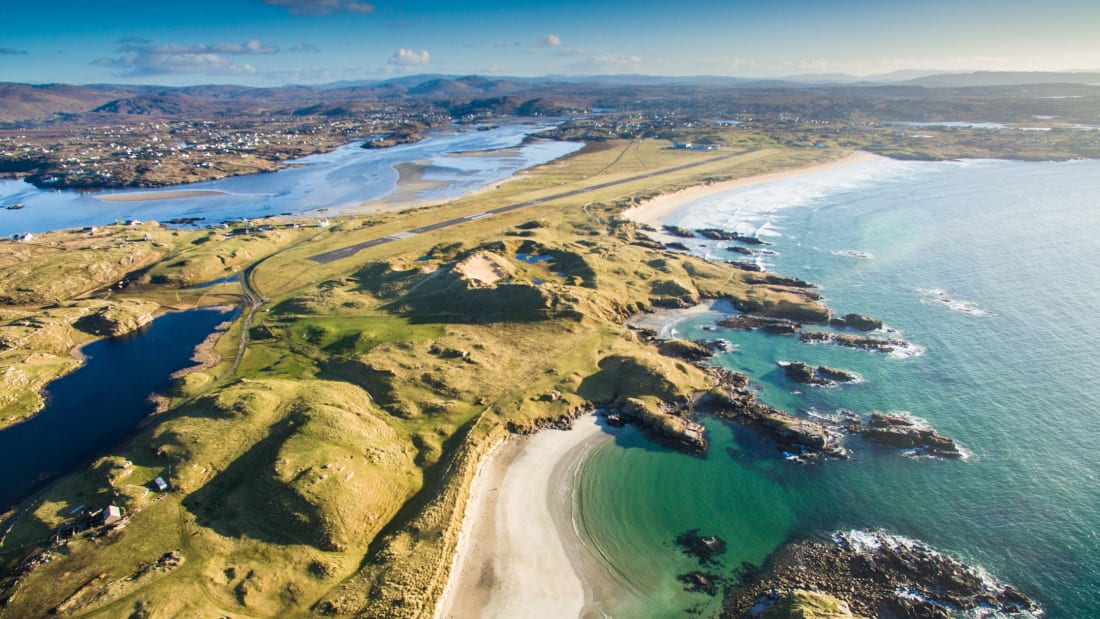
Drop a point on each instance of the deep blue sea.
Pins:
(993, 269)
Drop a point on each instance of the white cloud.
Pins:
(322, 7)
(607, 63)
(409, 57)
(141, 57)
(304, 47)
(550, 40)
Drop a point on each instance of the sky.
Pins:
(276, 42)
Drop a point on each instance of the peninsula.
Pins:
(320, 461)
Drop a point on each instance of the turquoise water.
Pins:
(992, 268)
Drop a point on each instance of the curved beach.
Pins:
(518, 554)
(651, 212)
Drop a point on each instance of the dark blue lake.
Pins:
(101, 404)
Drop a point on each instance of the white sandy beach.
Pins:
(512, 558)
(652, 211)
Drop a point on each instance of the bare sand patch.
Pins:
(483, 269)
(151, 196)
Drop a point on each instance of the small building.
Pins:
(160, 484)
(26, 236)
(323, 223)
(111, 515)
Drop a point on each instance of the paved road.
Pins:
(351, 250)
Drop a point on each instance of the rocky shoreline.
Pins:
(798, 438)
(875, 574)
(732, 400)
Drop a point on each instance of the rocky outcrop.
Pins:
(748, 322)
(745, 266)
(737, 249)
(684, 349)
(877, 574)
(683, 233)
(667, 424)
(787, 309)
(717, 234)
(904, 433)
(725, 235)
(731, 399)
(859, 322)
(780, 280)
(821, 375)
(865, 342)
(718, 345)
(563, 421)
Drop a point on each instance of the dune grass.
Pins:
(328, 475)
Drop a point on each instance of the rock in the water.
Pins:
(700, 582)
(865, 342)
(683, 233)
(859, 322)
(737, 249)
(702, 547)
(809, 375)
(905, 433)
(717, 234)
(836, 375)
(748, 322)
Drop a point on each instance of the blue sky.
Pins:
(273, 42)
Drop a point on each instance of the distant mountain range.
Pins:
(549, 94)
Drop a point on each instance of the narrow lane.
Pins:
(351, 250)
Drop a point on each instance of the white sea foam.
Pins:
(750, 210)
(852, 253)
(950, 301)
(908, 351)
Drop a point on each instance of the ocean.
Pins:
(992, 268)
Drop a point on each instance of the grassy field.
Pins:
(327, 475)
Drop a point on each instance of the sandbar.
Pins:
(411, 186)
(518, 553)
(651, 212)
(149, 196)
